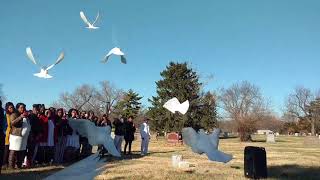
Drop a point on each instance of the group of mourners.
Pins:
(43, 136)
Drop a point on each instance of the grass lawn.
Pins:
(288, 158)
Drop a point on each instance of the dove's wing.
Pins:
(109, 143)
(123, 60)
(83, 17)
(96, 19)
(30, 55)
(214, 137)
(85, 128)
(60, 58)
(172, 105)
(216, 155)
(183, 108)
(105, 59)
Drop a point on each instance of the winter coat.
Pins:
(130, 129)
(8, 128)
(36, 128)
(2, 121)
(119, 128)
(16, 124)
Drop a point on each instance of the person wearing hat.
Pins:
(145, 136)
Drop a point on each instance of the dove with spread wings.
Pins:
(174, 105)
(43, 69)
(86, 21)
(200, 143)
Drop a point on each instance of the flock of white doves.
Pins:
(44, 69)
(200, 142)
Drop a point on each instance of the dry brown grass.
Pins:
(289, 158)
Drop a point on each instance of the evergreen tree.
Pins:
(181, 82)
(129, 105)
(208, 111)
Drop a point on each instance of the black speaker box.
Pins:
(255, 162)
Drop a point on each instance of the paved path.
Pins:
(85, 169)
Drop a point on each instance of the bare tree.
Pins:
(244, 104)
(298, 105)
(78, 99)
(87, 98)
(108, 96)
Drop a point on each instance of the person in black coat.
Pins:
(130, 129)
(119, 132)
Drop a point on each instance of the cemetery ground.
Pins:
(288, 158)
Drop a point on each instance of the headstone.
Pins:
(225, 134)
(184, 164)
(176, 159)
(277, 134)
(173, 138)
(319, 136)
(296, 134)
(271, 138)
(309, 134)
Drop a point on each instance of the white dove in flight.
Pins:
(115, 51)
(200, 143)
(85, 20)
(96, 135)
(43, 69)
(174, 105)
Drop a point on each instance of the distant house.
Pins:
(264, 131)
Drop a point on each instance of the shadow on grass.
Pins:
(31, 174)
(293, 172)
(229, 137)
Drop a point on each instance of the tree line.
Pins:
(239, 108)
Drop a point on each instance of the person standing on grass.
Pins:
(130, 129)
(18, 136)
(2, 134)
(61, 124)
(9, 108)
(119, 133)
(145, 136)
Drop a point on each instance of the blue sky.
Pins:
(273, 44)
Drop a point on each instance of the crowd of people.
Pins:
(43, 136)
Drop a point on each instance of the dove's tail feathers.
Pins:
(123, 60)
(109, 145)
(216, 155)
